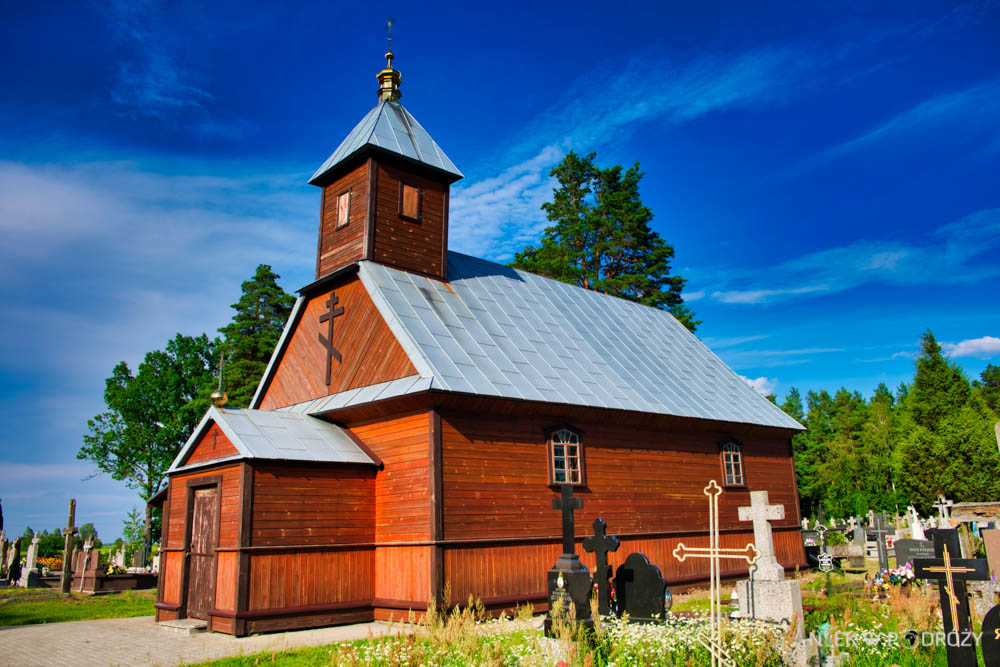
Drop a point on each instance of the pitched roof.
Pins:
(289, 436)
(495, 331)
(392, 128)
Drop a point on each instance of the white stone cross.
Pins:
(943, 506)
(852, 523)
(767, 567)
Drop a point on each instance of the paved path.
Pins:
(140, 641)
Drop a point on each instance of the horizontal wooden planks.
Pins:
(300, 505)
(407, 244)
(310, 578)
(369, 352)
(213, 445)
(340, 246)
(402, 487)
(641, 480)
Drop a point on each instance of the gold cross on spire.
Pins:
(388, 29)
(389, 78)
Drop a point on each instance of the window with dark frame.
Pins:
(732, 463)
(410, 201)
(565, 457)
(343, 209)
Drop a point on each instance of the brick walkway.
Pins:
(139, 641)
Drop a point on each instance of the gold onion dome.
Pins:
(219, 398)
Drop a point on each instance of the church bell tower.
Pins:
(385, 191)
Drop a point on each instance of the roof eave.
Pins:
(337, 169)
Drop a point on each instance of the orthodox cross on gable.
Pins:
(567, 503)
(952, 573)
(599, 545)
(331, 352)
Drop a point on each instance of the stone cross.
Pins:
(88, 546)
(567, 503)
(600, 544)
(14, 561)
(916, 531)
(68, 532)
(880, 532)
(767, 567)
(33, 551)
(871, 517)
(952, 573)
(805, 524)
(852, 523)
(943, 506)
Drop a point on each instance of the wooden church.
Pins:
(422, 409)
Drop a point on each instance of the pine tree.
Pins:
(601, 239)
(251, 336)
(939, 386)
(988, 386)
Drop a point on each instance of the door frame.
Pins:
(192, 486)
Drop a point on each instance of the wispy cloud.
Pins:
(965, 113)
(951, 255)
(763, 385)
(723, 343)
(773, 358)
(983, 348)
(151, 83)
(499, 214)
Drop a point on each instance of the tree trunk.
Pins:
(148, 536)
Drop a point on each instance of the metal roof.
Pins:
(289, 436)
(495, 331)
(392, 128)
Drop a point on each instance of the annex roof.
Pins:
(289, 436)
(392, 128)
(496, 331)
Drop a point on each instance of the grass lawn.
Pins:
(303, 657)
(17, 607)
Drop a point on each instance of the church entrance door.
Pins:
(204, 535)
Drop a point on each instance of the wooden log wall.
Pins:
(213, 445)
(340, 246)
(412, 245)
(402, 508)
(369, 352)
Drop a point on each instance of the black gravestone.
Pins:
(951, 573)
(640, 589)
(990, 643)
(907, 550)
(569, 581)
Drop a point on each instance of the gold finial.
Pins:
(389, 78)
(219, 397)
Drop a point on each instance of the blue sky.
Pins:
(827, 174)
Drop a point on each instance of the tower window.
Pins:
(410, 201)
(343, 209)
(732, 464)
(565, 456)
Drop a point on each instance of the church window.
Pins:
(343, 209)
(565, 456)
(410, 201)
(732, 463)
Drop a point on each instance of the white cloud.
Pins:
(762, 385)
(950, 256)
(496, 216)
(983, 348)
(722, 343)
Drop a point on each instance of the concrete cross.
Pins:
(600, 544)
(943, 506)
(881, 530)
(767, 567)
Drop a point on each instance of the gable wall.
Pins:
(412, 245)
(213, 445)
(369, 352)
(340, 247)
(647, 484)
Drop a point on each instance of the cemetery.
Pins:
(426, 452)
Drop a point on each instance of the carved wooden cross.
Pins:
(567, 503)
(599, 545)
(952, 573)
(68, 532)
(881, 531)
(331, 352)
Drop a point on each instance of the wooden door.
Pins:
(201, 552)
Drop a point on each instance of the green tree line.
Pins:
(932, 436)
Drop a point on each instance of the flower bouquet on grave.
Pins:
(115, 569)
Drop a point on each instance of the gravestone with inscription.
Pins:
(569, 582)
(907, 550)
(640, 589)
(991, 542)
(30, 574)
(990, 642)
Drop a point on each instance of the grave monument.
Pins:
(30, 574)
(599, 545)
(641, 590)
(569, 580)
(767, 594)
